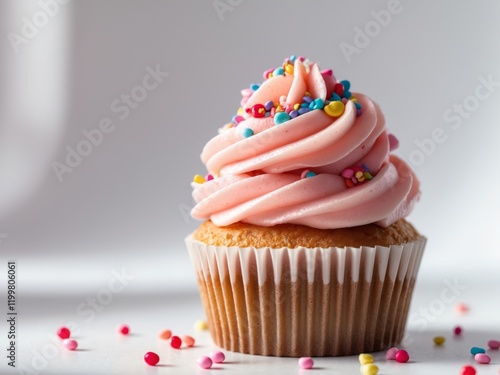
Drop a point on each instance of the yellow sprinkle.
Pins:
(365, 358)
(289, 68)
(334, 109)
(296, 106)
(369, 369)
(270, 75)
(240, 111)
(198, 179)
(307, 93)
(439, 340)
(200, 325)
(353, 98)
(279, 108)
(361, 179)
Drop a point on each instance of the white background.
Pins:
(125, 206)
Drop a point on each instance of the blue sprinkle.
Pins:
(254, 86)
(292, 58)
(304, 105)
(310, 174)
(301, 111)
(475, 350)
(247, 132)
(335, 97)
(278, 72)
(347, 94)
(346, 84)
(233, 120)
(281, 117)
(311, 105)
(307, 99)
(318, 103)
(294, 113)
(358, 106)
(268, 105)
(365, 167)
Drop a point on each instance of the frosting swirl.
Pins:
(321, 168)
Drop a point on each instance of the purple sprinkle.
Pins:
(358, 112)
(293, 113)
(303, 110)
(307, 99)
(268, 105)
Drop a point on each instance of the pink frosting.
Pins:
(258, 179)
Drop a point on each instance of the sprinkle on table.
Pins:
(306, 363)
(151, 358)
(439, 340)
(63, 333)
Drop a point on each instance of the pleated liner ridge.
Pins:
(306, 301)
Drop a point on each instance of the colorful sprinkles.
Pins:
(282, 111)
(356, 175)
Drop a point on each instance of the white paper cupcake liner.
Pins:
(306, 301)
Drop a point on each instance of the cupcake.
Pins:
(305, 249)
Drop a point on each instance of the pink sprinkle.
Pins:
(63, 333)
(402, 356)
(204, 362)
(457, 330)
(246, 93)
(70, 344)
(267, 72)
(306, 363)
(239, 119)
(304, 173)
(217, 357)
(347, 173)
(391, 353)
(123, 329)
(302, 58)
(327, 72)
(461, 308)
(209, 177)
(482, 358)
(393, 142)
(494, 344)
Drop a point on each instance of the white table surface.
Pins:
(103, 351)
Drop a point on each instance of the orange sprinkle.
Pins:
(165, 334)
